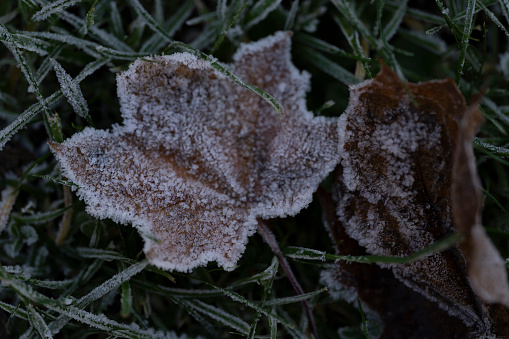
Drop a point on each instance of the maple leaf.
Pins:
(406, 180)
(199, 158)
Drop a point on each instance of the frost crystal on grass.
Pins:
(199, 157)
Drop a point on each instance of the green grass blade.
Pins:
(324, 46)
(465, 38)
(328, 66)
(502, 208)
(432, 43)
(126, 300)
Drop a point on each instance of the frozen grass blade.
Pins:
(379, 10)
(267, 288)
(349, 14)
(119, 55)
(10, 43)
(65, 38)
(448, 20)
(55, 124)
(98, 292)
(352, 36)
(310, 254)
(14, 310)
(495, 150)
(42, 217)
(151, 22)
(54, 285)
(465, 38)
(111, 284)
(38, 322)
(90, 18)
(504, 4)
(29, 43)
(52, 8)
(186, 306)
(154, 44)
(221, 316)
(72, 92)
(392, 26)
(106, 255)
(260, 11)
(220, 39)
(24, 118)
(492, 16)
(268, 274)
(55, 180)
(104, 37)
(294, 299)
(238, 298)
(116, 20)
(292, 14)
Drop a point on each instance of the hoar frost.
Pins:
(200, 157)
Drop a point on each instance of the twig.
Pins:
(270, 239)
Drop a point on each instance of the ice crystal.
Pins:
(199, 157)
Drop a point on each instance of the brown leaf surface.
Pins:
(400, 169)
(200, 157)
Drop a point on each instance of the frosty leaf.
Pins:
(486, 267)
(398, 186)
(200, 157)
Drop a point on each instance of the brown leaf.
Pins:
(199, 157)
(396, 183)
